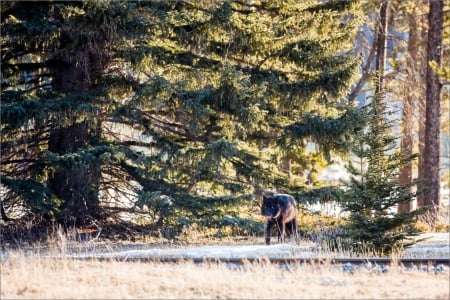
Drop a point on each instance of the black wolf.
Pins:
(280, 210)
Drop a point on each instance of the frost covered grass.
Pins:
(29, 273)
(35, 277)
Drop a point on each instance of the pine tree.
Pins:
(374, 191)
(175, 109)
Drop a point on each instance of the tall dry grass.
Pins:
(36, 277)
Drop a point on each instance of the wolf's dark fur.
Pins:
(280, 211)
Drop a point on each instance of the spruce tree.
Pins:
(374, 192)
(174, 109)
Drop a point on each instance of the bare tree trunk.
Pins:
(433, 98)
(367, 70)
(406, 172)
(405, 176)
(378, 99)
(382, 31)
(422, 108)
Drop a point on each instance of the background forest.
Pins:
(161, 117)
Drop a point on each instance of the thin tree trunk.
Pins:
(367, 71)
(2, 212)
(382, 31)
(406, 172)
(432, 123)
(378, 119)
(422, 109)
(405, 176)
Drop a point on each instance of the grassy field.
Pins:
(23, 277)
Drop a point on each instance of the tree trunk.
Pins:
(382, 31)
(432, 123)
(2, 212)
(77, 187)
(405, 176)
(406, 172)
(422, 108)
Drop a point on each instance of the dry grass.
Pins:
(23, 277)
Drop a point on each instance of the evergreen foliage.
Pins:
(175, 110)
(373, 193)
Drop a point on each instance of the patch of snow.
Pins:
(434, 244)
(215, 251)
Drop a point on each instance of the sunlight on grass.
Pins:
(25, 277)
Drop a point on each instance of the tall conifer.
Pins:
(374, 191)
(171, 108)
